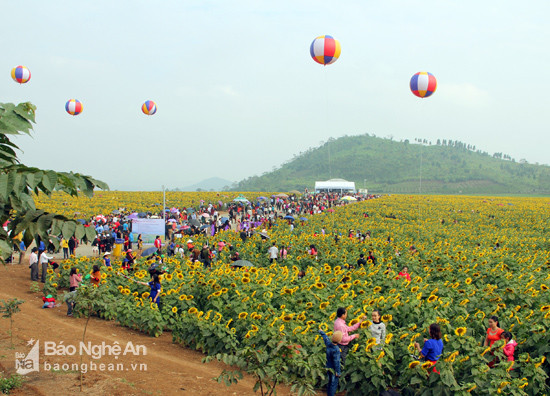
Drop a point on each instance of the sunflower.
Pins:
(460, 331)
(175, 309)
(485, 351)
(432, 298)
(323, 305)
(281, 328)
(452, 357)
(387, 318)
(192, 310)
(381, 355)
(376, 289)
(523, 385)
(365, 324)
(544, 308)
(468, 281)
(243, 315)
(389, 338)
(543, 287)
(287, 318)
(427, 365)
(413, 364)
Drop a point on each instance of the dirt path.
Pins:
(166, 369)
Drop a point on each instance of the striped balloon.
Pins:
(149, 107)
(73, 107)
(20, 74)
(423, 84)
(325, 50)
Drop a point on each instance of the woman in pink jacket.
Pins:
(340, 325)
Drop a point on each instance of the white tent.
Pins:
(335, 185)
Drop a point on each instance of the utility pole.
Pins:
(164, 204)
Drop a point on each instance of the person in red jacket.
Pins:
(158, 243)
(404, 274)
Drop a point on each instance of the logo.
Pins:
(25, 364)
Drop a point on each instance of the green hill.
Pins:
(384, 165)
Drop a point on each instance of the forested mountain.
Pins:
(385, 165)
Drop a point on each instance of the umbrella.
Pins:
(133, 216)
(240, 198)
(206, 215)
(171, 221)
(288, 217)
(242, 263)
(224, 219)
(81, 221)
(330, 210)
(191, 210)
(173, 210)
(194, 222)
(205, 226)
(262, 197)
(348, 198)
(141, 215)
(303, 218)
(295, 192)
(281, 195)
(115, 211)
(148, 252)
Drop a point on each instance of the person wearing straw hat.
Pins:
(107, 259)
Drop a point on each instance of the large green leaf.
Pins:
(68, 229)
(79, 232)
(49, 180)
(90, 233)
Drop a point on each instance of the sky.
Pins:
(238, 93)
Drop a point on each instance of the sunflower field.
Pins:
(474, 257)
(104, 202)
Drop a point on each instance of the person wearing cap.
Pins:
(333, 360)
(49, 301)
(107, 259)
(190, 245)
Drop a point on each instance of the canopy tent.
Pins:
(335, 185)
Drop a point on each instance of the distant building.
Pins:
(335, 185)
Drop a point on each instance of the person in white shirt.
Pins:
(33, 264)
(44, 260)
(273, 252)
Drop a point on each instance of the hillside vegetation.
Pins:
(385, 165)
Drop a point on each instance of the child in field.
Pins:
(333, 360)
(74, 279)
(156, 289)
(510, 346)
(96, 275)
